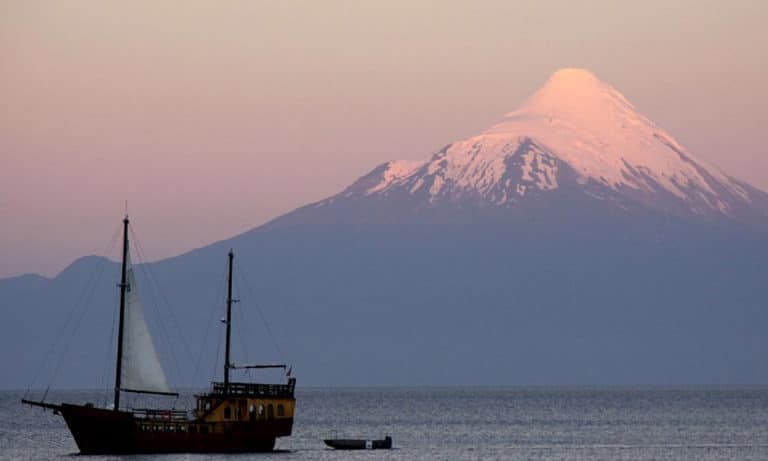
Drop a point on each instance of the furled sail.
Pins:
(141, 369)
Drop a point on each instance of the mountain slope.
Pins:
(575, 132)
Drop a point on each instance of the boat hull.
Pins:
(102, 431)
(359, 444)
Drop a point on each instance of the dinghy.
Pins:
(360, 444)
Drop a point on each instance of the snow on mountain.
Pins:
(575, 130)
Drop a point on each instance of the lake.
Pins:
(468, 423)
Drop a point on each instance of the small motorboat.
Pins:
(360, 444)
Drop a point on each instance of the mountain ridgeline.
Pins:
(574, 242)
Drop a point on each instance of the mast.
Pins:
(122, 286)
(229, 320)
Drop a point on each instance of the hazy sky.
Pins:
(213, 117)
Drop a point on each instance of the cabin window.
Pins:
(182, 428)
(280, 409)
(227, 413)
(270, 411)
(207, 406)
(261, 410)
(158, 428)
(171, 428)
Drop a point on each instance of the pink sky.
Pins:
(210, 118)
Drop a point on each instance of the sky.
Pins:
(210, 118)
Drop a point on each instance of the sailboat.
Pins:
(230, 417)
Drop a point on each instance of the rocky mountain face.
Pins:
(575, 242)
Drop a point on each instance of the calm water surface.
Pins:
(470, 423)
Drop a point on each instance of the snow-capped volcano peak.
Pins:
(572, 91)
(576, 96)
(594, 129)
(578, 130)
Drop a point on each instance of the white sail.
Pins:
(141, 369)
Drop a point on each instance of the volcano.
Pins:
(575, 133)
(573, 242)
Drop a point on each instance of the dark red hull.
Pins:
(101, 431)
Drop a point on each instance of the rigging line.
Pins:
(210, 322)
(241, 339)
(218, 348)
(251, 292)
(240, 321)
(164, 335)
(108, 351)
(261, 313)
(152, 277)
(84, 300)
(88, 305)
(243, 324)
(71, 315)
(164, 332)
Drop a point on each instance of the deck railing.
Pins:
(255, 389)
(155, 414)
